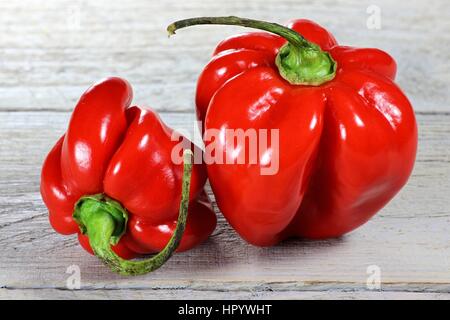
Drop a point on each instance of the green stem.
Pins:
(104, 221)
(299, 61)
(289, 34)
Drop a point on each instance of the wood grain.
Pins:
(167, 294)
(51, 50)
(409, 239)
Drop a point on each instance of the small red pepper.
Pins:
(347, 133)
(111, 179)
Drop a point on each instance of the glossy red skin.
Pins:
(346, 147)
(125, 153)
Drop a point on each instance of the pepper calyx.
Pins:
(93, 209)
(305, 65)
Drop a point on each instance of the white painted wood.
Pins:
(52, 50)
(409, 240)
(138, 294)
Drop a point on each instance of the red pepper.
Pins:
(347, 133)
(111, 179)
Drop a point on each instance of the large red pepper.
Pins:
(111, 179)
(347, 133)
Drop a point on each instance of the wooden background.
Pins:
(51, 51)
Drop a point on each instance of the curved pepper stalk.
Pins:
(104, 221)
(300, 62)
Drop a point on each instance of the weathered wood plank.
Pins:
(208, 295)
(409, 239)
(51, 51)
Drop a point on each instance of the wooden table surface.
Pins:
(51, 51)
